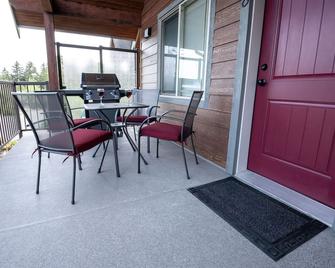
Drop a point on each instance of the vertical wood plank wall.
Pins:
(212, 123)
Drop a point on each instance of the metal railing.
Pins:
(12, 121)
(9, 114)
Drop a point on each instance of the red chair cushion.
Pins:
(85, 139)
(79, 121)
(164, 131)
(133, 118)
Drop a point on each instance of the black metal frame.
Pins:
(70, 152)
(133, 124)
(183, 135)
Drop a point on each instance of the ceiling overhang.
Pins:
(112, 18)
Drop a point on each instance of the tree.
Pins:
(30, 72)
(5, 75)
(17, 72)
(43, 75)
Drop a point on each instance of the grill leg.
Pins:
(103, 157)
(39, 172)
(115, 154)
(74, 180)
(182, 146)
(194, 151)
(157, 148)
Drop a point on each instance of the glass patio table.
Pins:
(100, 111)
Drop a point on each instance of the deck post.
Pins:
(51, 50)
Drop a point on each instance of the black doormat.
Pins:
(272, 226)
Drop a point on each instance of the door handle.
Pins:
(261, 82)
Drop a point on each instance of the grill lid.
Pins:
(98, 79)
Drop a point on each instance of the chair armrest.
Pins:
(77, 108)
(92, 122)
(173, 111)
(151, 108)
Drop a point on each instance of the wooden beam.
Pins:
(89, 26)
(51, 50)
(125, 5)
(89, 11)
(46, 6)
(94, 26)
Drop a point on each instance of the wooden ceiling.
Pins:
(113, 18)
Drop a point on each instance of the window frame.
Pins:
(165, 14)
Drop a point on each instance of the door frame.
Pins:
(248, 53)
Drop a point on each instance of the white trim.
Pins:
(256, 29)
(288, 196)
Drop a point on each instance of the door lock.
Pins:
(261, 82)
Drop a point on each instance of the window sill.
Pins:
(180, 101)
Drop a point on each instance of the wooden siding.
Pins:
(212, 124)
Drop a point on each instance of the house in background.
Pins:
(267, 69)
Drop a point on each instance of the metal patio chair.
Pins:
(54, 134)
(171, 132)
(137, 116)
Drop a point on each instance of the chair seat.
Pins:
(132, 118)
(164, 131)
(79, 121)
(83, 139)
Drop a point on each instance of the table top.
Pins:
(114, 106)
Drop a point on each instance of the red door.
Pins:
(292, 139)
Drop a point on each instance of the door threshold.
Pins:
(289, 197)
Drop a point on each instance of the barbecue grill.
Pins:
(90, 82)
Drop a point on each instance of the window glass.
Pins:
(192, 47)
(184, 45)
(170, 46)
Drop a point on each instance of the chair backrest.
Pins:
(47, 118)
(66, 105)
(191, 113)
(146, 96)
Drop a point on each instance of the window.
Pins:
(184, 44)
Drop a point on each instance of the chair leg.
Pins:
(79, 163)
(74, 180)
(148, 145)
(139, 154)
(157, 148)
(95, 153)
(182, 146)
(194, 151)
(116, 159)
(39, 172)
(134, 133)
(103, 157)
(48, 155)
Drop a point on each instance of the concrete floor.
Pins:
(146, 220)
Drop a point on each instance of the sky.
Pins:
(31, 45)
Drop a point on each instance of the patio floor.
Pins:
(146, 220)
